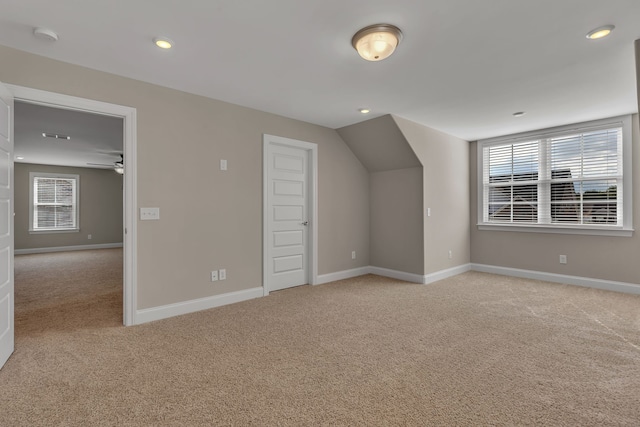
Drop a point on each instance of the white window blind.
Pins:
(568, 177)
(54, 202)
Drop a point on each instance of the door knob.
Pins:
(305, 223)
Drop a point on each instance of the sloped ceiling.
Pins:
(379, 145)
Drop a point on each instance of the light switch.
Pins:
(149, 214)
(223, 165)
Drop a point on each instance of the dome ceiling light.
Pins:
(377, 42)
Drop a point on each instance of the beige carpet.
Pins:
(476, 349)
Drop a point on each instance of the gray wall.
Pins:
(445, 161)
(598, 257)
(397, 221)
(100, 208)
(209, 219)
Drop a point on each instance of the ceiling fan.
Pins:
(117, 166)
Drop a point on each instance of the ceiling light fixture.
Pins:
(56, 136)
(519, 114)
(45, 34)
(600, 32)
(19, 158)
(163, 42)
(377, 42)
(364, 110)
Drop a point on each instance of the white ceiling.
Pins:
(95, 139)
(463, 67)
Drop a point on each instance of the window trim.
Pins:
(32, 176)
(626, 230)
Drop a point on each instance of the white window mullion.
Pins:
(544, 183)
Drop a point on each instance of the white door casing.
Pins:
(128, 114)
(6, 225)
(290, 225)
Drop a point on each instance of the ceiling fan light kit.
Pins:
(377, 42)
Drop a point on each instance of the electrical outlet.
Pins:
(450, 254)
(428, 211)
(353, 254)
(223, 165)
(563, 259)
(89, 237)
(222, 274)
(214, 276)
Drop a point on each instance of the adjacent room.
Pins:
(69, 211)
(319, 213)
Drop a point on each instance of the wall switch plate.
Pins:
(353, 254)
(149, 214)
(222, 274)
(214, 276)
(89, 236)
(223, 165)
(563, 259)
(428, 211)
(450, 254)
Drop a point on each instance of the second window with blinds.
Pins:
(566, 179)
(54, 202)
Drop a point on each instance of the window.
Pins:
(54, 202)
(568, 179)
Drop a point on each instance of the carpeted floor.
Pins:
(475, 349)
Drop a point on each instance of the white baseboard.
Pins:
(185, 307)
(66, 248)
(341, 275)
(609, 285)
(395, 274)
(445, 274)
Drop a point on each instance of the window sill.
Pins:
(588, 231)
(69, 230)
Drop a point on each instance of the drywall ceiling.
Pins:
(379, 145)
(464, 66)
(95, 140)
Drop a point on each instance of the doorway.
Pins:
(128, 116)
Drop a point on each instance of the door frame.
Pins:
(129, 144)
(312, 241)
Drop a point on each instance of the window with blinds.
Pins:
(564, 177)
(54, 202)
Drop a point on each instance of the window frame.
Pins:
(76, 203)
(624, 230)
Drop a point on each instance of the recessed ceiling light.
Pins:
(600, 32)
(163, 42)
(519, 114)
(364, 110)
(45, 34)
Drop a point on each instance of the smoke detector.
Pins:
(45, 34)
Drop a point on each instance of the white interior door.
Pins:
(6, 224)
(287, 217)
